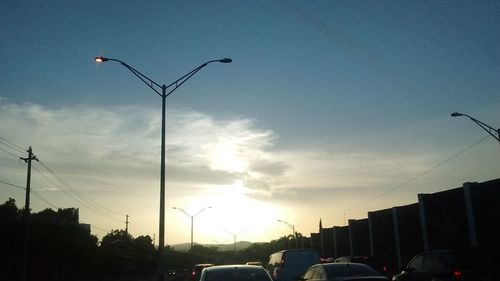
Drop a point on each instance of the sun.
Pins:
(233, 210)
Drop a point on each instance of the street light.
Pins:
(487, 128)
(234, 238)
(293, 231)
(161, 90)
(192, 219)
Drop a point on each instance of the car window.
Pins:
(443, 263)
(309, 273)
(416, 263)
(275, 259)
(319, 273)
(240, 274)
(428, 262)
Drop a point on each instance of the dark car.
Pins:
(447, 265)
(288, 265)
(235, 273)
(372, 261)
(196, 272)
(342, 272)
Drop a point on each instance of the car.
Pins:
(235, 273)
(372, 261)
(342, 271)
(447, 265)
(288, 265)
(197, 269)
(254, 263)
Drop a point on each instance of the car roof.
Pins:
(232, 266)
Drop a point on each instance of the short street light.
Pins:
(161, 90)
(487, 128)
(192, 219)
(293, 231)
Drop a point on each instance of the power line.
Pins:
(78, 193)
(412, 178)
(10, 153)
(83, 203)
(32, 191)
(12, 145)
(13, 185)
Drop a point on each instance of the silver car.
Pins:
(235, 273)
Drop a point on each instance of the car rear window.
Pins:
(237, 275)
(350, 270)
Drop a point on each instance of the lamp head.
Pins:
(456, 114)
(226, 60)
(101, 59)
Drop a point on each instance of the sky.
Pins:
(330, 109)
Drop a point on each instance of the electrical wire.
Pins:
(12, 145)
(412, 178)
(32, 191)
(83, 203)
(10, 153)
(78, 193)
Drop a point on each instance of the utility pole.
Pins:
(28, 181)
(126, 224)
(26, 213)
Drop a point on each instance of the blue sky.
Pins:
(327, 104)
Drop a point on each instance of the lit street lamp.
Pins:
(192, 219)
(293, 231)
(487, 128)
(161, 90)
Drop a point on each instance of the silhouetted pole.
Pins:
(293, 232)
(26, 213)
(126, 224)
(192, 219)
(234, 238)
(485, 127)
(163, 94)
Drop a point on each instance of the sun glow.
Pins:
(234, 211)
(226, 157)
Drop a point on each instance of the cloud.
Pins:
(119, 146)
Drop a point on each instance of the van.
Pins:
(289, 265)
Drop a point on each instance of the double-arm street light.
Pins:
(293, 231)
(163, 91)
(235, 235)
(487, 128)
(192, 219)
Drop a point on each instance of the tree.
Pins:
(144, 245)
(117, 239)
(9, 209)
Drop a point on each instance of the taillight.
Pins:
(457, 274)
(282, 263)
(384, 268)
(193, 273)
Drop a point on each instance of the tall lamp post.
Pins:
(235, 235)
(192, 219)
(487, 128)
(293, 231)
(163, 91)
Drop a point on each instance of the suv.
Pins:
(446, 265)
(288, 265)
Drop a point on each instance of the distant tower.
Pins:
(321, 237)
